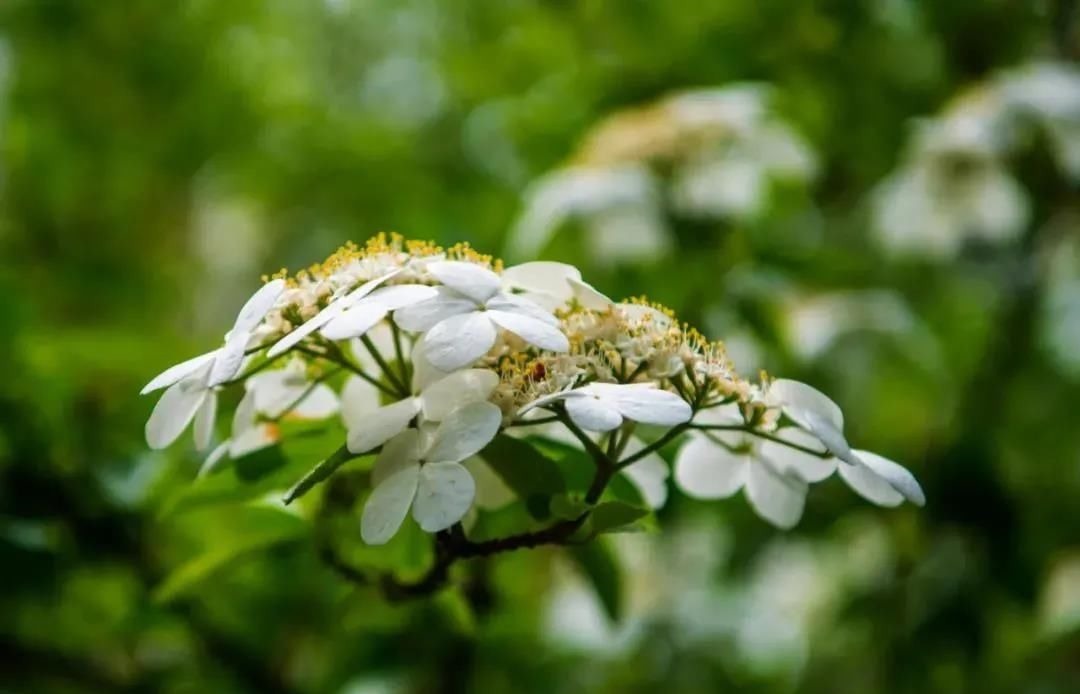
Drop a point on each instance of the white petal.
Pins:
(445, 493)
(643, 403)
(425, 315)
(424, 372)
(459, 341)
(593, 414)
(175, 373)
(355, 321)
(358, 398)
(550, 398)
(785, 459)
(869, 485)
(707, 470)
(799, 401)
(377, 427)
(204, 421)
(533, 331)
(397, 454)
(276, 390)
(230, 358)
(212, 460)
(476, 282)
(588, 296)
(320, 402)
(520, 304)
(246, 412)
(776, 497)
(542, 276)
(258, 306)
(464, 432)
(896, 475)
(459, 388)
(253, 439)
(724, 415)
(649, 475)
(401, 295)
(388, 505)
(331, 311)
(174, 411)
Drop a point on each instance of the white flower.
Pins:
(875, 478)
(191, 383)
(604, 406)
(731, 175)
(461, 324)
(289, 391)
(337, 306)
(717, 464)
(954, 185)
(553, 285)
(283, 393)
(427, 476)
(369, 429)
(1050, 94)
(619, 205)
(366, 313)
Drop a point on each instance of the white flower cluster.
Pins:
(955, 183)
(446, 349)
(723, 147)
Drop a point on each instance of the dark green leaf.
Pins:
(250, 528)
(615, 516)
(531, 475)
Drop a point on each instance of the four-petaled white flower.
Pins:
(716, 464)
(191, 383)
(604, 406)
(461, 323)
(280, 394)
(425, 474)
(369, 429)
(875, 478)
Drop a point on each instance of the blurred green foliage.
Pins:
(157, 157)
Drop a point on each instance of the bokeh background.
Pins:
(882, 201)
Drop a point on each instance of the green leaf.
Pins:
(532, 476)
(262, 472)
(320, 472)
(616, 516)
(249, 529)
(568, 506)
(597, 562)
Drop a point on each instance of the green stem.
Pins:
(402, 390)
(762, 435)
(652, 447)
(348, 366)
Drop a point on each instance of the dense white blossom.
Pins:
(429, 354)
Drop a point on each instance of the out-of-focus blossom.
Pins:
(954, 185)
(709, 153)
(1049, 94)
(1060, 310)
(813, 324)
(1059, 604)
